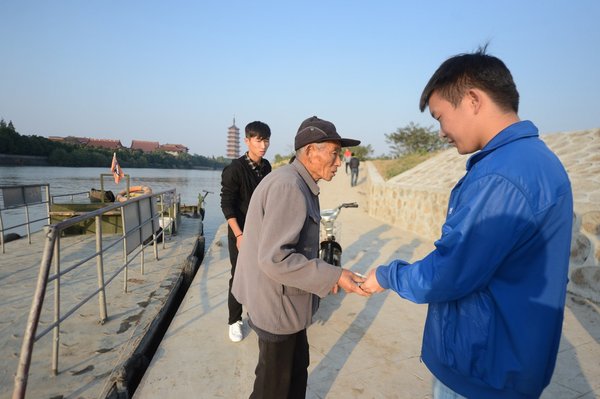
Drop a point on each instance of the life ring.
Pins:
(134, 191)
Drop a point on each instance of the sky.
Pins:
(180, 71)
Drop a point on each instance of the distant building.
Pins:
(145, 146)
(105, 143)
(174, 149)
(77, 140)
(70, 140)
(142, 145)
(233, 141)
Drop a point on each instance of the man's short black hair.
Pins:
(478, 70)
(258, 129)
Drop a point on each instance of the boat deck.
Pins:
(90, 352)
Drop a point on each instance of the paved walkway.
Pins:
(360, 348)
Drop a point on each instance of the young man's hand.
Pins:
(350, 282)
(371, 285)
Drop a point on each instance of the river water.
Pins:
(63, 180)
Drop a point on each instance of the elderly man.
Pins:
(279, 277)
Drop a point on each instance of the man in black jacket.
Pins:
(354, 162)
(238, 181)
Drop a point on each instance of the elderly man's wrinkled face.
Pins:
(324, 159)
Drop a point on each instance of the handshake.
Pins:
(357, 283)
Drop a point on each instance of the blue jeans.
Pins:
(441, 391)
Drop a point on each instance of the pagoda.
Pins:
(233, 141)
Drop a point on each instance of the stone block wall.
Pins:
(416, 200)
(418, 210)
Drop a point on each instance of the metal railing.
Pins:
(23, 197)
(140, 221)
(70, 195)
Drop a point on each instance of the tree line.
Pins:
(65, 154)
(414, 139)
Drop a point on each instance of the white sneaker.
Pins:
(235, 331)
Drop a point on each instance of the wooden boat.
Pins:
(81, 203)
(111, 221)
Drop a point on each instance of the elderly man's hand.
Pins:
(350, 282)
(371, 285)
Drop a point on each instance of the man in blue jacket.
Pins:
(496, 281)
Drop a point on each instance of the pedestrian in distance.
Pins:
(280, 277)
(347, 156)
(496, 280)
(238, 181)
(354, 164)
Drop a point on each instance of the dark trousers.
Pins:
(235, 308)
(282, 369)
(353, 176)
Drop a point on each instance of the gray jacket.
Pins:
(278, 268)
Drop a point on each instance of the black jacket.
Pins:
(238, 182)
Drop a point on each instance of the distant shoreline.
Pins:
(35, 160)
(23, 160)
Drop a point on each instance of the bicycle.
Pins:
(330, 250)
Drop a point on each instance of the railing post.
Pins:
(175, 226)
(164, 233)
(162, 218)
(153, 223)
(34, 317)
(100, 269)
(1, 232)
(56, 330)
(155, 236)
(125, 275)
(140, 231)
(124, 250)
(28, 226)
(101, 189)
(48, 202)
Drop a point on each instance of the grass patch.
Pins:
(389, 168)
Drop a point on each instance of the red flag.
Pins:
(116, 169)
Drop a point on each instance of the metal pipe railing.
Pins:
(52, 251)
(34, 317)
(100, 271)
(72, 195)
(22, 197)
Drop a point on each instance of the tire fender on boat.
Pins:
(134, 191)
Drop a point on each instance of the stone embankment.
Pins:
(417, 200)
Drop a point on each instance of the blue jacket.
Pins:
(496, 281)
